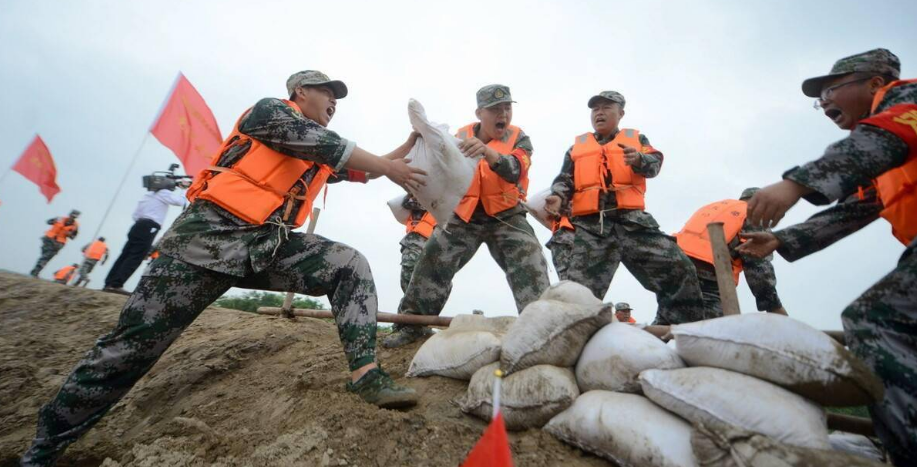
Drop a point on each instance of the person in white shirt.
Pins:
(148, 218)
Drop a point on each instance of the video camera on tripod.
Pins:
(164, 180)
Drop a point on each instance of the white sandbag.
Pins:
(550, 332)
(529, 398)
(471, 342)
(535, 206)
(570, 292)
(730, 446)
(616, 355)
(627, 429)
(449, 173)
(401, 214)
(783, 351)
(712, 395)
(855, 444)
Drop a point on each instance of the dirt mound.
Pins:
(236, 389)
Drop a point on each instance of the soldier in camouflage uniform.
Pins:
(881, 325)
(507, 234)
(53, 241)
(759, 273)
(208, 250)
(605, 239)
(412, 244)
(561, 247)
(89, 264)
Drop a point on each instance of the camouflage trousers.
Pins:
(85, 269)
(49, 249)
(561, 247)
(411, 249)
(512, 244)
(881, 328)
(170, 296)
(651, 256)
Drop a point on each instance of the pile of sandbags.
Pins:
(733, 391)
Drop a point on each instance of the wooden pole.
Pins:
(851, 424)
(439, 321)
(722, 261)
(287, 309)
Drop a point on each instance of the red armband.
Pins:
(357, 176)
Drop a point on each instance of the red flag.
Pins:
(37, 165)
(492, 450)
(187, 127)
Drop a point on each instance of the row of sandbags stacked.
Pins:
(732, 389)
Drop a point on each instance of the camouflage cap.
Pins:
(879, 61)
(74, 213)
(315, 78)
(493, 94)
(621, 306)
(613, 96)
(748, 193)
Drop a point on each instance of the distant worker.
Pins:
(419, 228)
(62, 229)
(64, 274)
(759, 272)
(148, 217)
(601, 188)
(622, 312)
(93, 253)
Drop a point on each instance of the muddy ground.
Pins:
(237, 389)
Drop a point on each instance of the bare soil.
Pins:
(237, 389)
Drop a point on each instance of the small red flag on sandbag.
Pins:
(492, 450)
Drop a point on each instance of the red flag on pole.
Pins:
(492, 450)
(187, 127)
(37, 165)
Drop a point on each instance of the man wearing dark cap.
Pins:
(93, 253)
(62, 229)
(759, 272)
(491, 213)
(237, 233)
(863, 94)
(600, 188)
(622, 313)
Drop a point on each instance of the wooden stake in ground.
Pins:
(722, 261)
(287, 309)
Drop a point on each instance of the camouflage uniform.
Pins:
(412, 244)
(49, 249)
(604, 240)
(881, 325)
(85, 269)
(561, 246)
(205, 252)
(509, 238)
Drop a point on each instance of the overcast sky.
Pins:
(714, 85)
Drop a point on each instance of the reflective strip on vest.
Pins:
(495, 193)
(591, 164)
(261, 182)
(694, 239)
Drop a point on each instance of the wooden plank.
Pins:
(722, 261)
(286, 309)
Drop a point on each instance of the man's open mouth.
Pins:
(330, 111)
(501, 125)
(833, 114)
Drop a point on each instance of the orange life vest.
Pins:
(897, 188)
(60, 232)
(695, 241)
(424, 226)
(96, 250)
(64, 273)
(260, 182)
(562, 223)
(592, 162)
(630, 320)
(492, 190)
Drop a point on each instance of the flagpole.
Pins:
(3, 177)
(121, 185)
(498, 377)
